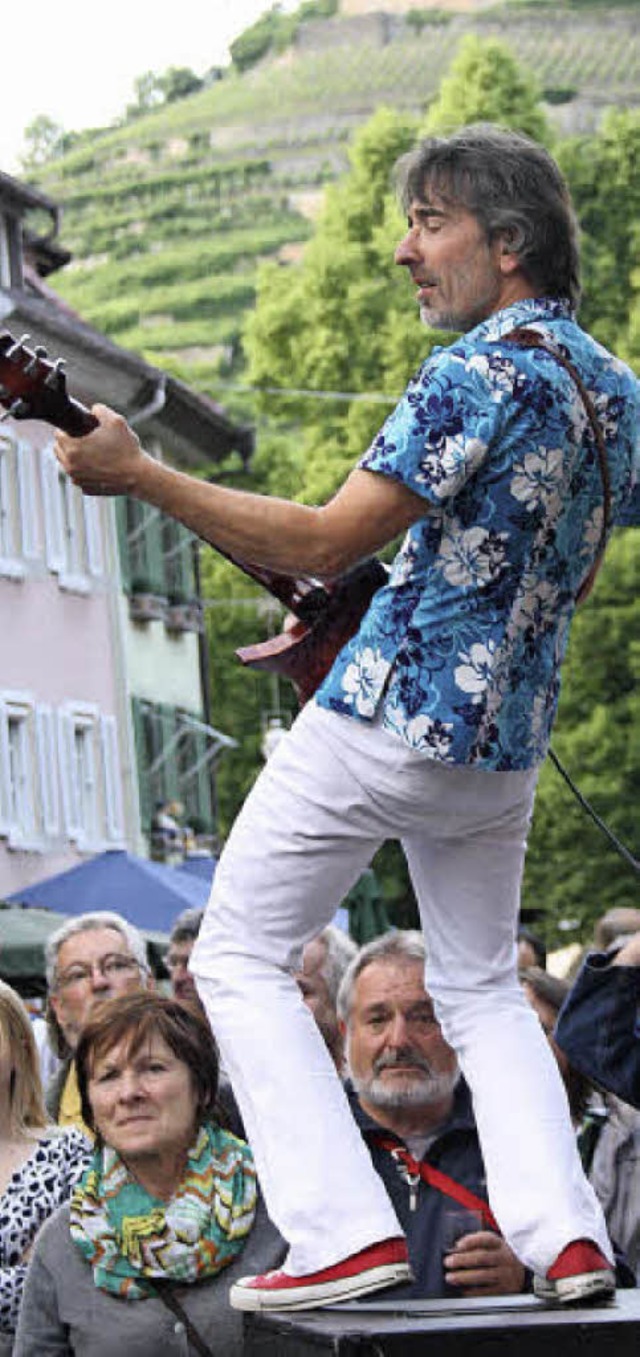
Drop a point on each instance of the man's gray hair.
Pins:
(83, 924)
(187, 925)
(398, 945)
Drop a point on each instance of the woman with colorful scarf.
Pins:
(166, 1217)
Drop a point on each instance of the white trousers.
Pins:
(331, 793)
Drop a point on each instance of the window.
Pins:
(73, 528)
(19, 517)
(20, 767)
(28, 786)
(90, 776)
(10, 250)
(59, 775)
(175, 753)
(9, 519)
(158, 566)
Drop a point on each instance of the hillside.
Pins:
(168, 215)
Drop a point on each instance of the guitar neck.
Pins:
(304, 597)
(31, 387)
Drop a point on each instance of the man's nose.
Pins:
(406, 250)
(397, 1034)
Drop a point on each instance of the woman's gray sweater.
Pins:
(63, 1312)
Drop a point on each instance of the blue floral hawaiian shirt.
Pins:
(459, 654)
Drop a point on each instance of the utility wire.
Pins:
(586, 806)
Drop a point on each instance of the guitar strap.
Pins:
(531, 339)
(419, 1169)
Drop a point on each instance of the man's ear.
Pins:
(509, 252)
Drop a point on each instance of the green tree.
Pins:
(273, 29)
(486, 84)
(603, 170)
(572, 871)
(177, 82)
(323, 326)
(149, 94)
(43, 141)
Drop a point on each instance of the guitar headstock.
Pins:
(32, 387)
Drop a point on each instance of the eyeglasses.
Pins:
(110, 967)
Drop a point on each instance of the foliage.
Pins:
(43, 141)
(572, 871)
(603, 172)
(486, 84)
(275, 30)
(152, 90)
(323, 326)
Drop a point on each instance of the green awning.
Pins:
(23, 935)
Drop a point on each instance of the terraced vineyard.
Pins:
(169, 215)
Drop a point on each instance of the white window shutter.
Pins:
(7, 529)
(28, 501)
(5, 771)
(48, 762)
(112, 778)
(70, 797)
(93, 520)
(53, 519)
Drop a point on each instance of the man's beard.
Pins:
(421, 1089)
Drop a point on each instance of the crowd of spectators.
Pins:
(129, 1202)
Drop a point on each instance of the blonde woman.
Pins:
(39, 1164)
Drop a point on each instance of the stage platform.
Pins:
(510, 1326)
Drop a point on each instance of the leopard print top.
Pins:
(35, 1190)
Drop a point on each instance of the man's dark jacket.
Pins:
(599, 1027)
(456, 1152)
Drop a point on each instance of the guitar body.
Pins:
(324, 618)
(304, 652)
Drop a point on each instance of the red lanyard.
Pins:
(418, 1169)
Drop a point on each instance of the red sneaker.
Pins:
(580, 1273)
(383, 1264)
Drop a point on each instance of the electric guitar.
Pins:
(324, 616)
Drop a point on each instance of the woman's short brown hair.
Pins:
(137, 1018)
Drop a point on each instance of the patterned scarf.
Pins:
(126, 1235)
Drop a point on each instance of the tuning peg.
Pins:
(15, 348)
(56, 377)
(17, 410)
(39, 353)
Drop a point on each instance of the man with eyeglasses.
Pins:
(93, 957)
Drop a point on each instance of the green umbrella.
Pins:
(23, 934)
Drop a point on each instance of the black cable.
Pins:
(586, 806)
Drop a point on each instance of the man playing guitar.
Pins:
(432, 722)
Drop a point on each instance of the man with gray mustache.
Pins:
(414, 1111)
